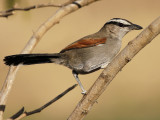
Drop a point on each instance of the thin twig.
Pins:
(54, 19)
(126, 55)
(22, 113)
(11, 11)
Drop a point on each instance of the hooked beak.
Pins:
(136, 27)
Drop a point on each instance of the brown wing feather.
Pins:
(85, 43)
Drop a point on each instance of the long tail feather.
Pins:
(28, 59)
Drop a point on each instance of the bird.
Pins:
(86, 55)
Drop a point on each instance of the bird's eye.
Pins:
(121, 25)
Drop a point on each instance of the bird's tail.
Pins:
(28, 59)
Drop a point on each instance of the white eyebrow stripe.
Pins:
(120, 21)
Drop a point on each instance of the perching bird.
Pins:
(85, 55)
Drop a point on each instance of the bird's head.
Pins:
(120, 27)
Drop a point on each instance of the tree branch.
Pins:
(21, 113)
(54, 19)
(126, 55)
(11, 11)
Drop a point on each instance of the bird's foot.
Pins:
(84, 92)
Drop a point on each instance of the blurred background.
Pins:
(133, 95)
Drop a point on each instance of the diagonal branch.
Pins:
(11, 11)
(133, 47)
(54, 19)
(21, 113)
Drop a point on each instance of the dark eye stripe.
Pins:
(118, 24)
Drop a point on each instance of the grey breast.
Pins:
(88, 59)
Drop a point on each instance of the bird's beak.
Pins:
(136, 27)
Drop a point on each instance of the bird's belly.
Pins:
(89, 59)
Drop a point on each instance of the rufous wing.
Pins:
(84, 43)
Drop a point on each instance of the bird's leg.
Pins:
(79, 82)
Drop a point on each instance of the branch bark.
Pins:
(54, 19)
(126, 55)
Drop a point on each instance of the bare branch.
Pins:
(11, 11)
(126, 55)
(17, 115)
(21, 113)
(54, 19)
